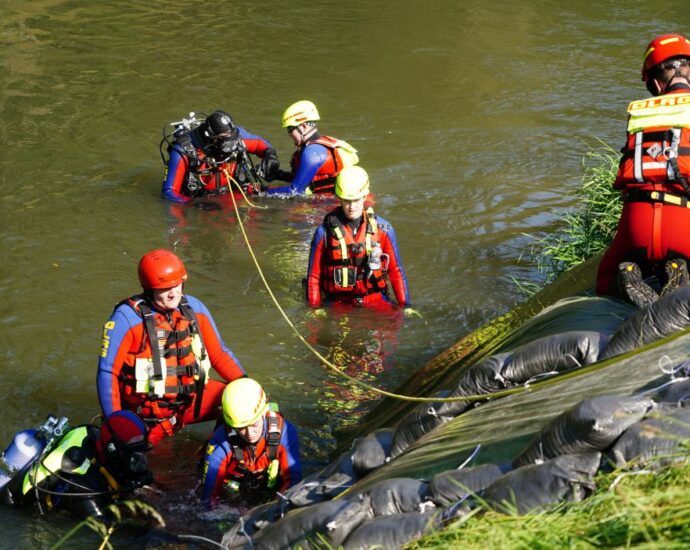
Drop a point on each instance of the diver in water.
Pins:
(254, 454)
(205, 157)
(81, 469)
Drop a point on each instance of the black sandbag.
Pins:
(338, 476)
(591, 425)
(454, 485)
(390, 532)
(329, 522)
(676, 393)
(423, 419)
(396, 496)
(666, 316)
(306, 492)
(372, 451)
(251, 522)
(537, 486)
(555, 353)
(654, 440)
(480, 379)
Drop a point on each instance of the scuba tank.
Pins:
(179, 131)
(28, 445)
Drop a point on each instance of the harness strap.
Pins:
(157, 347)
(182, 351)
(273, 438)
(188, 312)
(183, 370)
(178, 336)
(640, 195)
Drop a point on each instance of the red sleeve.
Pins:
(256, 146)
(396, 275)
(316, 265)
(222, 359)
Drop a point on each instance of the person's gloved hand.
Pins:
(255, 188)
(410, 312)
(283, 175)
(270, 165)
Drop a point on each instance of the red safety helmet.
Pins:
(161, 268)
(662, 48)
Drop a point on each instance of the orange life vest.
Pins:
(156, 381)
(656, 155)
(324, 179)
(250, 465)
(347, 258)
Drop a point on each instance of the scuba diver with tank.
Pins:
(205, 157)
(81, 469)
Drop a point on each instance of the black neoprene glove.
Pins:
(270, 165)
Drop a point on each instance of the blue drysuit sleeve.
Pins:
(311, 159)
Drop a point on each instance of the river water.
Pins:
(472, 120)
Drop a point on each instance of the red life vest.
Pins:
(347, 258)
(656, 155)
(156, 381)
(250, 463)
(324, 179)
(205, 180)
(202, 178)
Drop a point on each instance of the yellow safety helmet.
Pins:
(244, 402)
(297, 113)
(352, 183)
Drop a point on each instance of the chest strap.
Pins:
(641, 195)
(200, 377)
(157, 344)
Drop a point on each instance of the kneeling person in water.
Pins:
(255, 453)
(82, 471)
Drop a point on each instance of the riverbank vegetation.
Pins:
(587, 229)
(636, 510)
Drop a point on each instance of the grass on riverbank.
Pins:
(637, 511)
(589, 228)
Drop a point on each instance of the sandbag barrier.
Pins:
(546, 356)
(559, 464)
(598, 434)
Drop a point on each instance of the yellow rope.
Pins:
(333, 367)
(239, 187)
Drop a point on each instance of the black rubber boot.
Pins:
(633, 287)
(676, 276)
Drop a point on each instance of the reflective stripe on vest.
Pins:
(658, 146)
(348, 271)
(671, 110)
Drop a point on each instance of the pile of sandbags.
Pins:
(546, 356)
